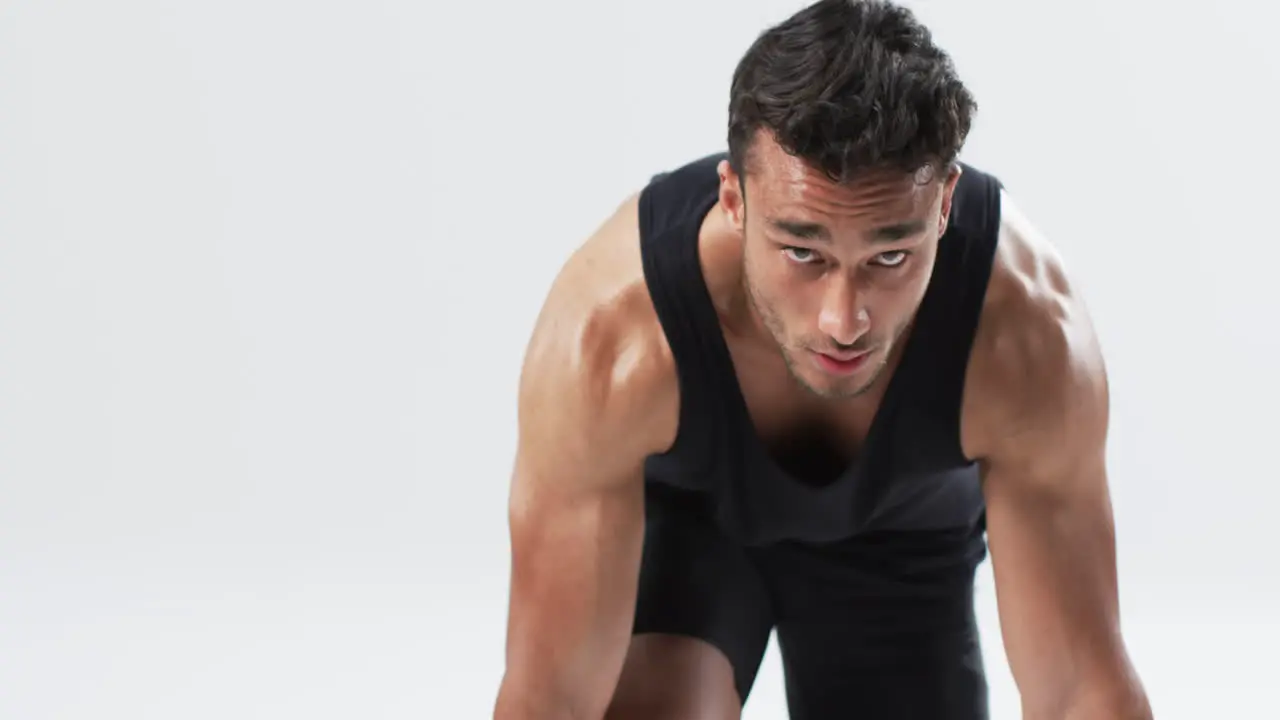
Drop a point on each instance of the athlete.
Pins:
(804, 387)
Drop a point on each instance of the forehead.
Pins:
(783, 185)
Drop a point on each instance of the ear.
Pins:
(731, 195)
(948, 192)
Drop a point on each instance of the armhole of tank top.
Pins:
(664, 292)
(981, 247)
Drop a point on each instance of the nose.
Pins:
(840, 317)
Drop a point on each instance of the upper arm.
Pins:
(592, 403)
(1039, 408)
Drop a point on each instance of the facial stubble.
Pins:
(774, 325)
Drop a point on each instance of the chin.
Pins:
(832, 388)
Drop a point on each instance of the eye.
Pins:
(891, 259)
(803, 256)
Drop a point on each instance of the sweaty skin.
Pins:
(599, 393)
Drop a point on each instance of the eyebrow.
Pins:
(819, 232)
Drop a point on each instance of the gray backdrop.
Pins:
(267, 270)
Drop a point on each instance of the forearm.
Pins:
(559, 679)
(529, 699)
(558, 670)
(562, 674)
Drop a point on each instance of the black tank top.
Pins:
(911, 472)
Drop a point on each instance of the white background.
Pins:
(267, 270)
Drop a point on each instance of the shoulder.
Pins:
(597, 359)
(1036, 375)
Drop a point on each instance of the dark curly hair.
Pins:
(850, 86)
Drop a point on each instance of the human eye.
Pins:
(801, 256)
(891, 259)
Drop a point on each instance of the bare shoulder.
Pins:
(598, 379)
(1036, 376)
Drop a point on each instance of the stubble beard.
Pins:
(841, 389)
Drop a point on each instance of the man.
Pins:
(798, 388)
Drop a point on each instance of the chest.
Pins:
(812, 438)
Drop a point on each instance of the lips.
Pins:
(846, 357)
(841, 363)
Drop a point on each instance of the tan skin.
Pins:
(598, 394)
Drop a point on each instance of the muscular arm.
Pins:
(591, 408)
(1049, 517)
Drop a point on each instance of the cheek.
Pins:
(792, 289)
(917, 281)
(892, 299)
(902, 303)
(782, 291)
(908, 286)
(770, 274)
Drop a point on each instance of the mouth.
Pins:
(845, 363)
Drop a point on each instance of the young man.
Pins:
(799, 387)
